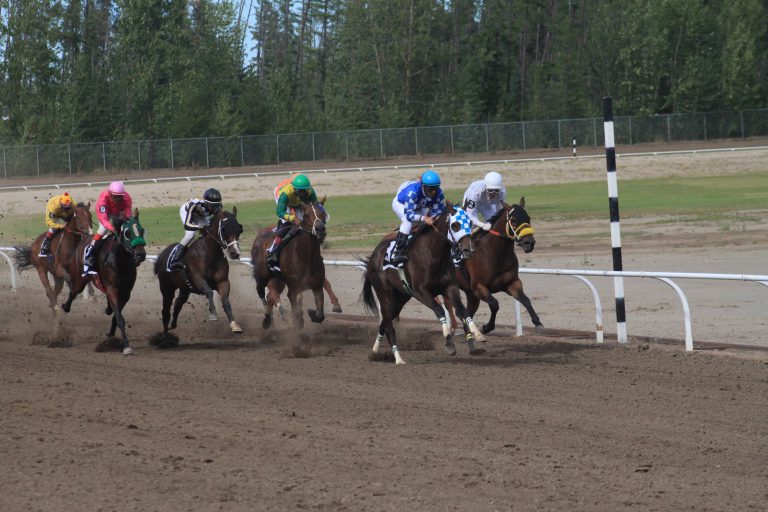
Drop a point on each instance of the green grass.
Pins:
(359, 221)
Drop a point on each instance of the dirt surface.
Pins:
(286, 420)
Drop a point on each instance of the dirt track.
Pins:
(285, 420)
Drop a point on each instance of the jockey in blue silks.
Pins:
(416, 200)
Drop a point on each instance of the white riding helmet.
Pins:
(493, 181)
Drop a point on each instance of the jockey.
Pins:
(288, 195)
(485, 197)
(57, 213)
(113, 206)
(196, 214)
(416, 200)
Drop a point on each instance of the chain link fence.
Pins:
(215, 152)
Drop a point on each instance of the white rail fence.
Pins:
(581, 275)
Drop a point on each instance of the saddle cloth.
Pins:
(388, 256)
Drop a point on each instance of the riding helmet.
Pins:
(430, 179)
(493, 181)
(212, 196)
(66, 201)
(116, 188)
(300, 182)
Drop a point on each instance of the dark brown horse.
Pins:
(205, 269)
(65, 261)
(116, 264)
(494, 266)
(301, 267)
(427, 273)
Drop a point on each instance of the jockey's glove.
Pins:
(486, 226)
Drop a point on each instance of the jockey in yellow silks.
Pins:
(58, 212)
(289, 195)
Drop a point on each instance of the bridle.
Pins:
(317, 221)
(78, 231)
(219, 237)
(511, 231)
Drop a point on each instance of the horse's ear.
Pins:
(234, 211)
(322, 201)
(88, 205)
(522, 201)
(136, 213)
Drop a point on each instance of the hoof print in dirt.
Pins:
(381, 357)
(52, 341)
(109, 344)
(301, 351)
(160, 341)
(477, 352)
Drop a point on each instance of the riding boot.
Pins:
(274, 256)
(89, 258)
(45, 247)
(174, 260)
(272, 259)
(399, 256)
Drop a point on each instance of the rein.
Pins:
(514, 233)
(317, 220)
(220, 238)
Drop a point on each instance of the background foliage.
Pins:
(95, 70)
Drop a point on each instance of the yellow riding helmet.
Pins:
(65, 201)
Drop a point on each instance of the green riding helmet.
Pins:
(300, 182)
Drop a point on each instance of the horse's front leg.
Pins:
(223, 289)
(428, 299)
(334, 299)
(317, 315)
(516, 290)
(117, 303)
(481, 292)
(471, 332)
(272, 297)
(76, 286)
(298, 314)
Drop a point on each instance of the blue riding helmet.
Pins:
(430, 179)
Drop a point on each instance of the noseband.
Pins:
(317, 221)
(219, 237)
(515, 233)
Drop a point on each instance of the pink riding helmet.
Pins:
(116, 188)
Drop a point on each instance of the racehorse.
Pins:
(205, 269)
(429, 267)
(116, 264)
(64, 261)
(301, 266)
(494, 266)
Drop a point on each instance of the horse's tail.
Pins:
(368, 298)
(23, 257)
(157, 267)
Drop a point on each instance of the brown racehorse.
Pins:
(494, 266)
(205, 269)
(301, 266)
(116, 264)
(428, 273)
(65, 260)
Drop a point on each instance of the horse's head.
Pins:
(460, 230)
(518, 225)
(81, 222)
(227, 232)
(314, 218)
(132, 238)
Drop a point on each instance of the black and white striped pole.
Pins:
(613, 204)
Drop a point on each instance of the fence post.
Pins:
(669, 128)
(523, 123)
(416, 138)
(741, 117)
(5, 165)
(487, 144)
(381, 142)
(171, 153)
(277, 147)
(138, 146)
(207, 155)
(451, 139)
(630, 130)
(37, 156)
(594, 131)
(346, 143)
(559, 138)
(103, 157)
(313, 147)
(242, 157)
(69, 157)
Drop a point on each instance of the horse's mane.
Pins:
(81, 204)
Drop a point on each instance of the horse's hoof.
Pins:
(539, 328)
(127, 351)
(316, 316)
(400, 361)
(212, 317)
(450, 347)
(336, 308)
(108, 310)
(65, 307)
(172, 326)
(267, 322)
(235, 327)
(485, 329)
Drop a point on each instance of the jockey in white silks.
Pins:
(484, 198)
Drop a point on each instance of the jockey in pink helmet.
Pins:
(112, 207)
